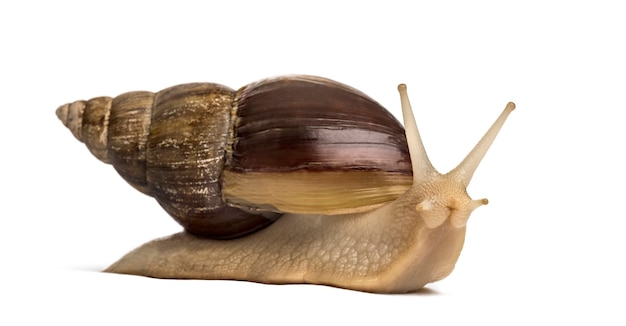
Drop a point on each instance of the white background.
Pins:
(548, 249)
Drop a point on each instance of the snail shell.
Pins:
(226, 163)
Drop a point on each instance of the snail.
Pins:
(293, 179)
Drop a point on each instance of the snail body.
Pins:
(354, 202)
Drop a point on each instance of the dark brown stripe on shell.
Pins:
(311, 123)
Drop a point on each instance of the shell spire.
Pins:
(89, 121)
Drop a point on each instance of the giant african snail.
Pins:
(356, 211)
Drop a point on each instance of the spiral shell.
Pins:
(226, 163)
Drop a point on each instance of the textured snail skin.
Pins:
(384, 251)
(396, 246)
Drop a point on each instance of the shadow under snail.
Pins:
(294, 179)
